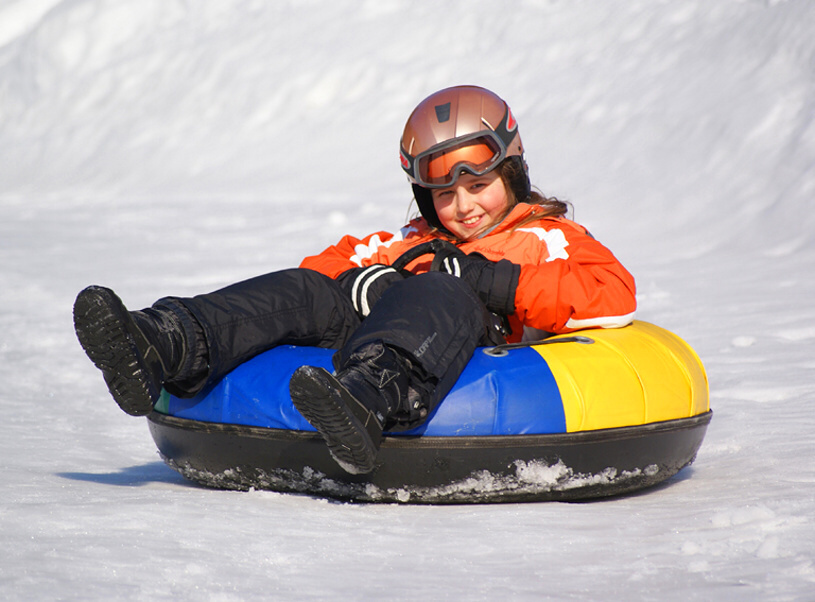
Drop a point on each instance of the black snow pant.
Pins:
(434, 318)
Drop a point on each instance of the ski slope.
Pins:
(162, 147)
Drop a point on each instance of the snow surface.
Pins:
(168, 147)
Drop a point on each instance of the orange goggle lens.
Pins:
(476, 156)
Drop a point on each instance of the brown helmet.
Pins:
(456, 130)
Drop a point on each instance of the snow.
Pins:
(163, 147)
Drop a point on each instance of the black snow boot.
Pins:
(350, 409)
(136, 351)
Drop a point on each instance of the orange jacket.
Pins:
(568, 280)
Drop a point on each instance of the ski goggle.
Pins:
(440, 166)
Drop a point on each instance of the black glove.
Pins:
(366, 285)
(495, 283)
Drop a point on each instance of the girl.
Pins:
(504, 265)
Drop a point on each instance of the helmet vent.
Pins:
(443, 112)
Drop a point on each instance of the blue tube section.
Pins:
(511, 395)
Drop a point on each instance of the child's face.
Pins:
(472, 205)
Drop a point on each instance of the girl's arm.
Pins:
(350, 252)
(582, 285)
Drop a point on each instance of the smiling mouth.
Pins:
(470, 220)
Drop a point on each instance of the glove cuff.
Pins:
(365, 290)
(497, 285)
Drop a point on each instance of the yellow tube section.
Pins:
(628, 376)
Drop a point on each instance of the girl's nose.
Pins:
(464, 201)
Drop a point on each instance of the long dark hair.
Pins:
(515, 178)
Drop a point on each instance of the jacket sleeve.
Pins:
(349, 253)
(577, 283)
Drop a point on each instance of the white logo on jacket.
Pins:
(364, 251)
(554, 240)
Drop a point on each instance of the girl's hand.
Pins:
(495, 283)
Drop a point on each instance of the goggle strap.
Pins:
(507, 129)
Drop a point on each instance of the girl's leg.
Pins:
(395, 368)
(291, 307)
(185, 344)
(436, 321)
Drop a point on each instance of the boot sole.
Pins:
(328, 406)
(100, 321)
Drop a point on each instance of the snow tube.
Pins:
(592, 414)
